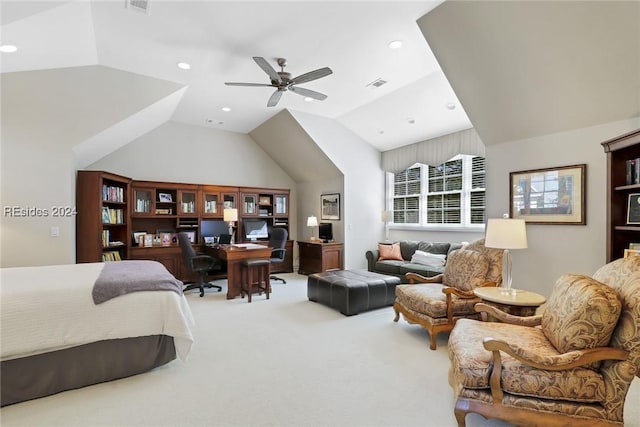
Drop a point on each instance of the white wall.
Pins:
(556, 249)
(363, 196)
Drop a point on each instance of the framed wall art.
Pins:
(330, 207)
(549, 196)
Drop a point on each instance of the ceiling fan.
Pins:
(282, 80)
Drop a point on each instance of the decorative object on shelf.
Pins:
(549, 196)
(165, 197)
(631, 252)
(330, 205)
(633, 208)
(230, 215)
(312, 222)
(506, 233)
(385, 216)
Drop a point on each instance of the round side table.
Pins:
(518, 302)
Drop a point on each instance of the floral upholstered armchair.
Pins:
(572, 365)
(437, 302)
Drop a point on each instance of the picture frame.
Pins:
(633, 208)
(330, 207)
(554, 195)
(191, 235)
(165, 197)
(136, 235)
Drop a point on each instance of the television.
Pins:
(325, 231)
(210, 228)
(255, 229)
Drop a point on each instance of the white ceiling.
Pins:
(219, 40)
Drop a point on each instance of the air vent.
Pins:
(139, 5)
(377, 83)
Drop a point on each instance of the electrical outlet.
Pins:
(55, 231)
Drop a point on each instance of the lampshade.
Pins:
(385, 216)
(230, 214)
(312, 221)
(506, 233)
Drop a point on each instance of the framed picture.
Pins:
(191, 235)
(165, 197)
(330, 207)
(633, 209)
(136, 235)
(549, 196)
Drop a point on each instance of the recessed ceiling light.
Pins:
(411, 120)
(396, 44)
(8, 48)
(308, 99)
(226, 109)
(450, 106)
(183, 66)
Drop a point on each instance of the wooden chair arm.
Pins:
(506, 317)
(458, 292)
(417, 278)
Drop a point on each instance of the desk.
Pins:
(234, 256)
(520, 303)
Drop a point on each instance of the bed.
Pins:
(55, 337)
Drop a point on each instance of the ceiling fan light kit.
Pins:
(282, 81)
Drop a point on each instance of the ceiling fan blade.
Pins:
(267, 68)
(312, 75)
(247, 84)
(273, 101)
(310, 93)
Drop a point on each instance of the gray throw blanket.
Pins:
(123, 277)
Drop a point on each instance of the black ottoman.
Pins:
(352, 291)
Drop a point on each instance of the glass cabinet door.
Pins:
(229, 200)
(187, 202)
(281, 205)
(142, 201)
(249, 204)
(211, 204)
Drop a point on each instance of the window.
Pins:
(448, 195)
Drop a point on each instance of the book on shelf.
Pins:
(633, 171)
(111, 256)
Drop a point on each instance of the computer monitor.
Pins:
(255, 229)
(210, 228)
(325, 231)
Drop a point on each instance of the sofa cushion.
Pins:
(423, 270)
(465, 269)
(440, 248)
(581, 313)
(407, 248)
(427, 298)
(427, 258)
(471, 364)
(389, 252)
(389, 266)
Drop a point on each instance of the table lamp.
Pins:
(386, 218)
(506, 233)
(312, 221)
(230, 215)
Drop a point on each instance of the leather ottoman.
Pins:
(352, 291)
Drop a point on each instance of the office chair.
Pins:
(198, 263)
(277, 241)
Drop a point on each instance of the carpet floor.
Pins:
(279, 362)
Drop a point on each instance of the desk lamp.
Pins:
(506, 233)
(312, 221)
(230, 215)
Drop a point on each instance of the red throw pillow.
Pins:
(390, 252)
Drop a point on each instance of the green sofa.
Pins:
(399, 268)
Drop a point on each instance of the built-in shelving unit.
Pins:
(621, 188)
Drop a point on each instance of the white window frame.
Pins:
(465, 208)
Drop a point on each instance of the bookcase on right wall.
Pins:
(623, 193)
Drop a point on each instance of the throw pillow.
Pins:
(389, 252)
(581, 313)
(465, 269)
(426, 258)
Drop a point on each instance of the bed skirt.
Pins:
(49, 373)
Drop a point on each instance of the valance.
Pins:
(433, 151)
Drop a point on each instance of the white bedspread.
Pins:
(50, 308)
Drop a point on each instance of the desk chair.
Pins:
(198, 263)
(277, 241)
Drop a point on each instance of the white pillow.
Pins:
(426, 258)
